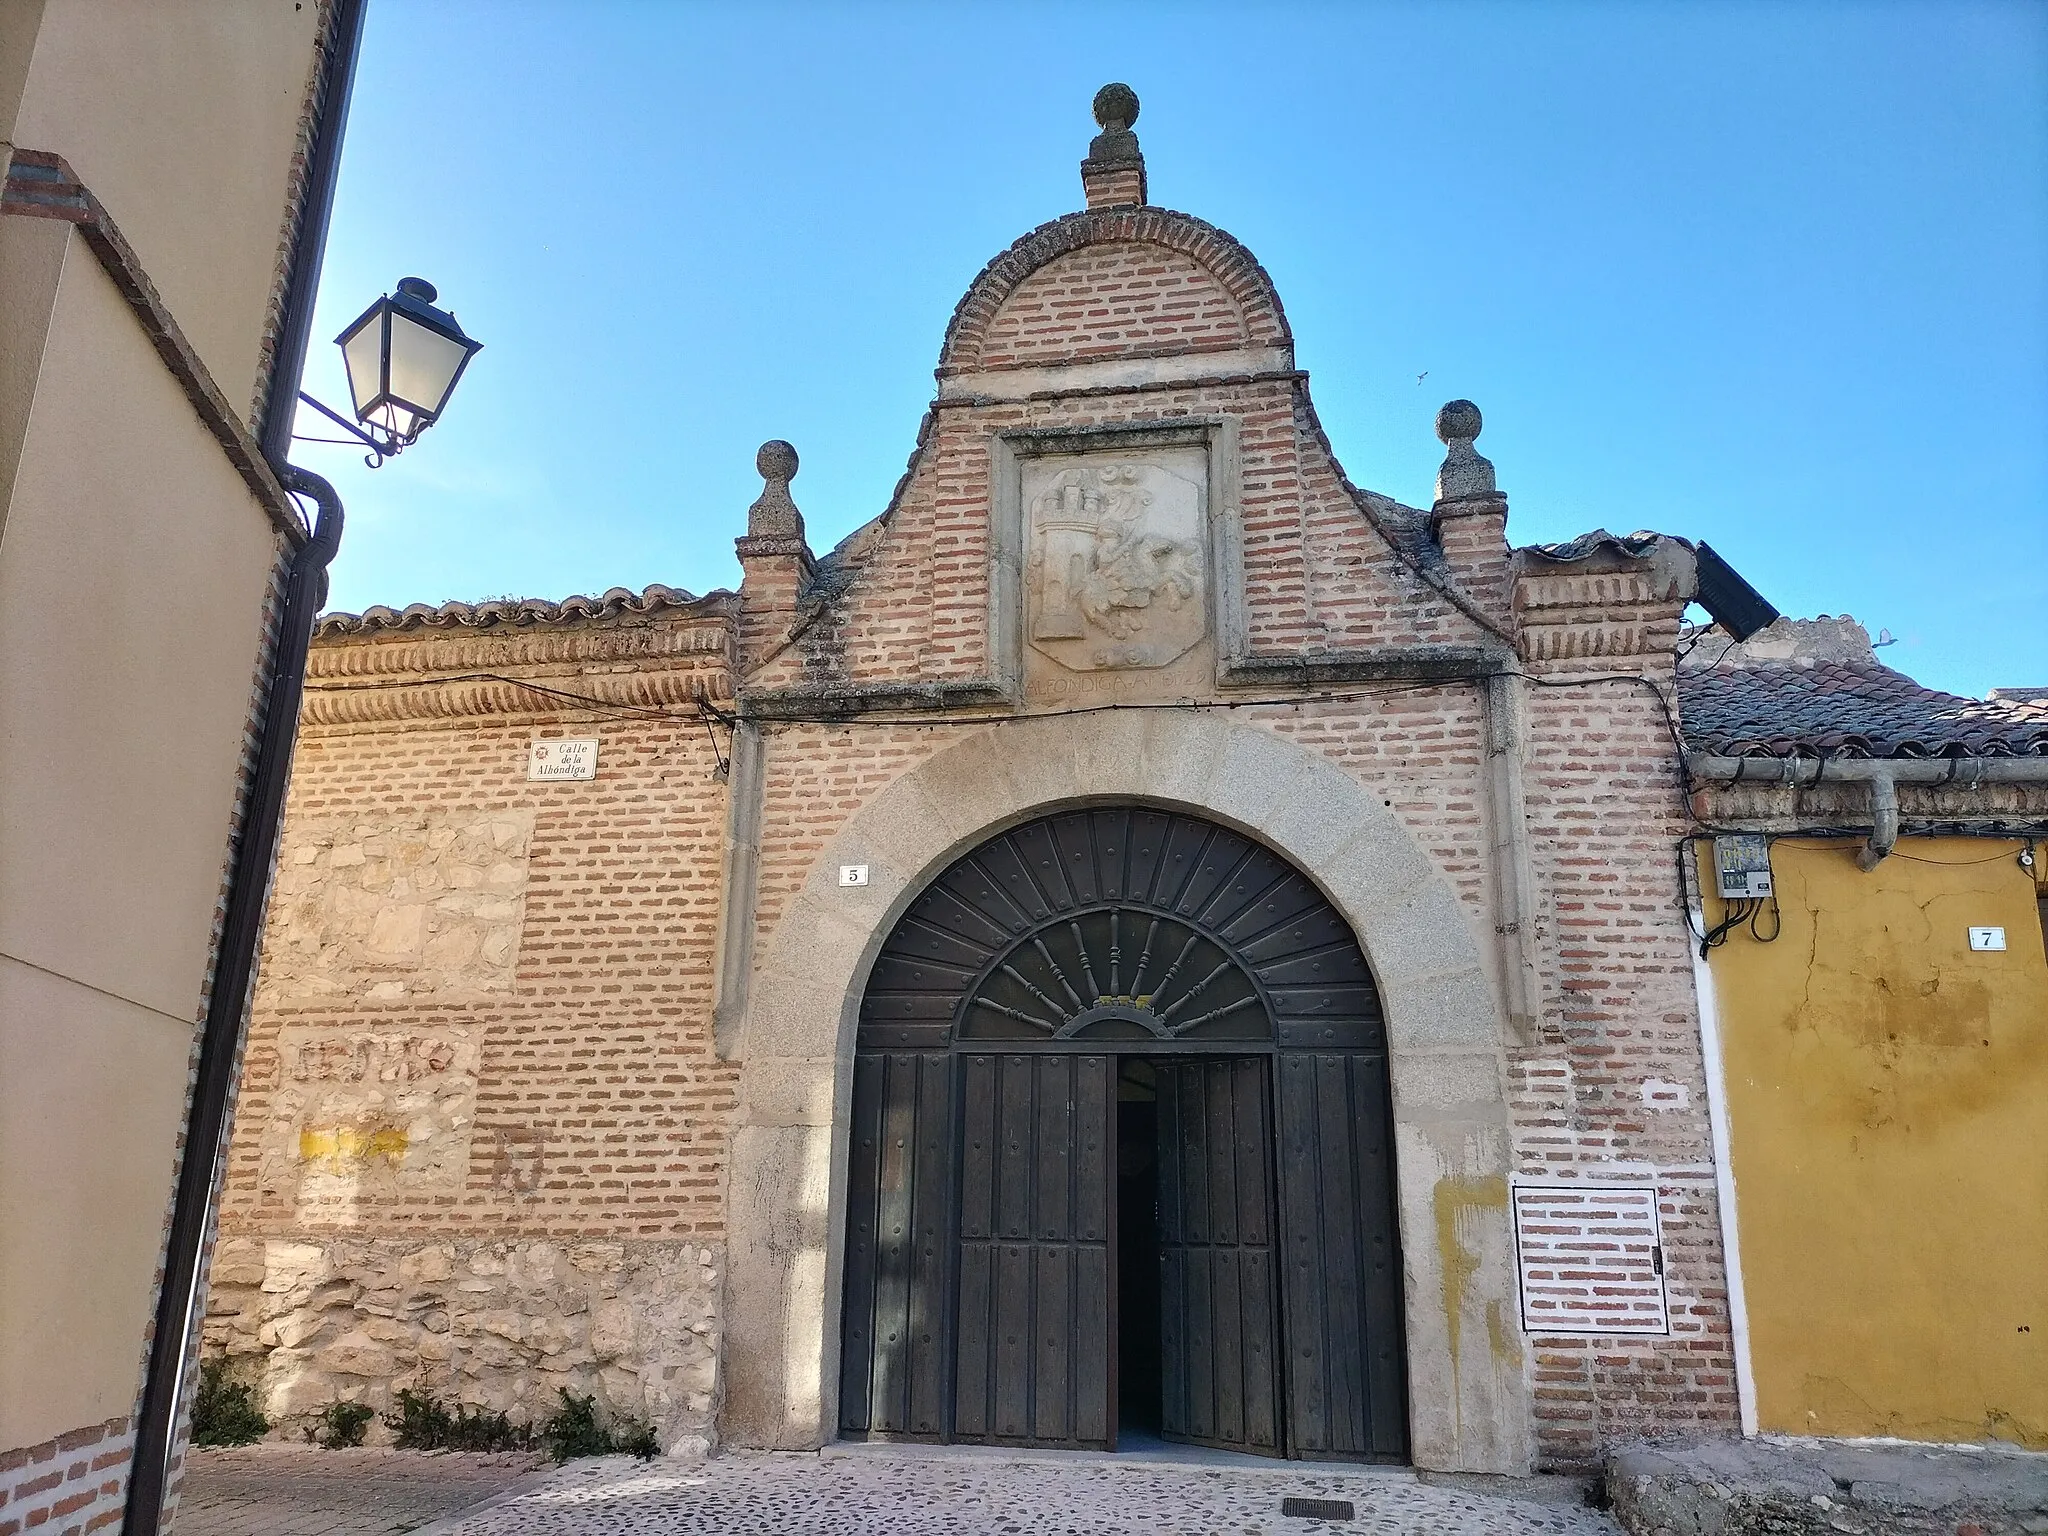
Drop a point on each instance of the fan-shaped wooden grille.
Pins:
(1121, 924)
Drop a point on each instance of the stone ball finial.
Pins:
(776, 460)
(1116, 106)
(1466, 472)
(1458, 420)
(775, 516)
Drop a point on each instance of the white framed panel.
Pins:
(1590, 1257)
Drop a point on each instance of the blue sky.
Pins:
(1770, 275)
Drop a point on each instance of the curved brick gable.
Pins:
(1233, 268)
(1120, 300)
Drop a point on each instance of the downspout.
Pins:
(733, 961)
(1884, 822)
(172, 1340)
(1514, 881)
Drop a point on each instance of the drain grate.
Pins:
(1319, 1509)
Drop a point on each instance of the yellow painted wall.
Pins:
(1887, 1094)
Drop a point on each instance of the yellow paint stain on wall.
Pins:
(1500, 1339)
(1452, 1198)
(1888, 1111)
(342, 1144)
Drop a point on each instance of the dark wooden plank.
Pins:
(1094, 1385)
(1052, 1344)
(1013, 1321)
(1303, 1321)
(1190, 1090)
(1052, 1169)
(1093, 1371)
(1259, 1317)
(1219, 1084)
(1113, 852)
(930, 1198)
(1250, 1105)
(974, 1349)
(889, 1405)
(1227, 1298)
(978, 1148)
(1383, 1347)
(1148, 835)
(1073, 837)
(1210, 883)
(1343, 1291)
(1038, 862)
(1095, 1146)
(996, 880)
(1201, 1343)
(862, 1173)
(1013, 1147)
(1261, 1352)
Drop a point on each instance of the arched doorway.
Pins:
(1121, 1156)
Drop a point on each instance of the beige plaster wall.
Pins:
(182, 117)
(20, 20)
(133, 569)
(32, 255)
(91, 1095)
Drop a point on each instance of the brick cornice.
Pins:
(40, 185)
(431, 652)
(539, 672)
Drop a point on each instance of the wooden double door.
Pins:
(1060, 1247)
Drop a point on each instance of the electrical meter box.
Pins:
(1742, 866)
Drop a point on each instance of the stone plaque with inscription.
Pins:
(366, 1110)
(1116, 572)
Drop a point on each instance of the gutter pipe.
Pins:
(1884, 775)
(1884, 822)
(172, 1343)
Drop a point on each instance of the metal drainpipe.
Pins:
(234, 960)
(1884, 821)
(220, 1050)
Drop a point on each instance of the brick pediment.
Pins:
(1114, 301)
(1077, 254)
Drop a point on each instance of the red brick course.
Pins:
(72, 1483)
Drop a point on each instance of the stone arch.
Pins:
(1468, 1399)
(1221, 254)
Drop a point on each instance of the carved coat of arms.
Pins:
(1115, 575)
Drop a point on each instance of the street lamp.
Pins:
(403, 357)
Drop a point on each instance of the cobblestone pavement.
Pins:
(897, 1494)
(301, 1490)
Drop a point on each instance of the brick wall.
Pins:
(480, 1056)
(1119, 300)
(592, 1107)
(72, 1484)
(599, 1046)
(1615, 1080)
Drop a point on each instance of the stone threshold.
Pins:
(1152, 1455)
